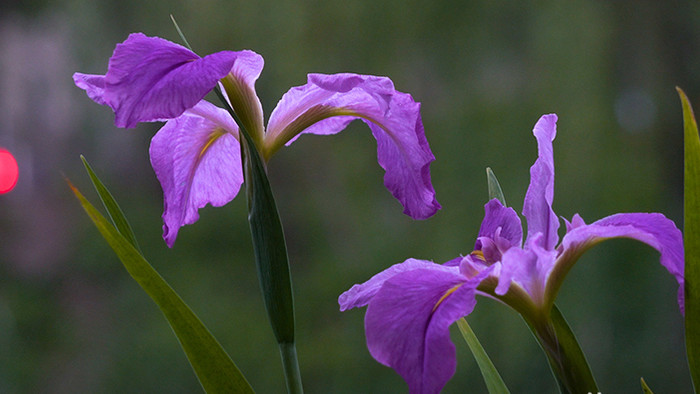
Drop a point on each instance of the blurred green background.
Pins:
(71, 320)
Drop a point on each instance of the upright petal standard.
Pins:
(411, 305)
(196, 154)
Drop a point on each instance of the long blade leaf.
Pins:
(691, 239)
(215, 370)
(113, 209)
(493, 380)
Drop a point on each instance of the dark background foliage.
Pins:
(71, 320)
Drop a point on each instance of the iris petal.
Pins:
(197, 160)
(537, 207)
(497, 216)
(654, 229)
(361, 294)
(407, 325)
(149, 78)
(328, 103)
(528, 268)
(93, 85)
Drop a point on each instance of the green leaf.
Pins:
(691, 240)
(113, 209)
(215, 370)
(495, 187)
(493, 380)
(182, 36)
(645, 388)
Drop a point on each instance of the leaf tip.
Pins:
(645, 387)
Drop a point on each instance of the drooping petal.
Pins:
(149, 78)
(328, 103)
(537, 207)
(93, 85)
(654, 229)
(197, 160)
(497, 216)
(361, 294)
(407, 325)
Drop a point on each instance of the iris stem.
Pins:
(291, 368)
(269, 247)
(270, 254)
(566, 359)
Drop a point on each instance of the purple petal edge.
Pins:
(149, 79)
(93, 85)
(197, 160)
(394, 118)
(407, 325)
(361, 294)
(654, 229)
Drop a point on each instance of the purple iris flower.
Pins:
(196, 154)
(411, 305)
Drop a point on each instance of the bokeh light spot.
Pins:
(9, 172)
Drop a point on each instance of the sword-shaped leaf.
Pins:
(215, 370)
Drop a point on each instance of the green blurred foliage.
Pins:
(71, 320)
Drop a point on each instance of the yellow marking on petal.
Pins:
(210, 140)
(479, 255)
(447, 294)
(275, 139)
(246, 105)
(213, 136)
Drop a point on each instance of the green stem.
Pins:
(566, 359)
(269, 244)
(291, 368)
(271, 258)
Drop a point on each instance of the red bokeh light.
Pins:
(9, 172)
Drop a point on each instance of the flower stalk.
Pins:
(269, 245)
(565, 357)
(270, 251)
